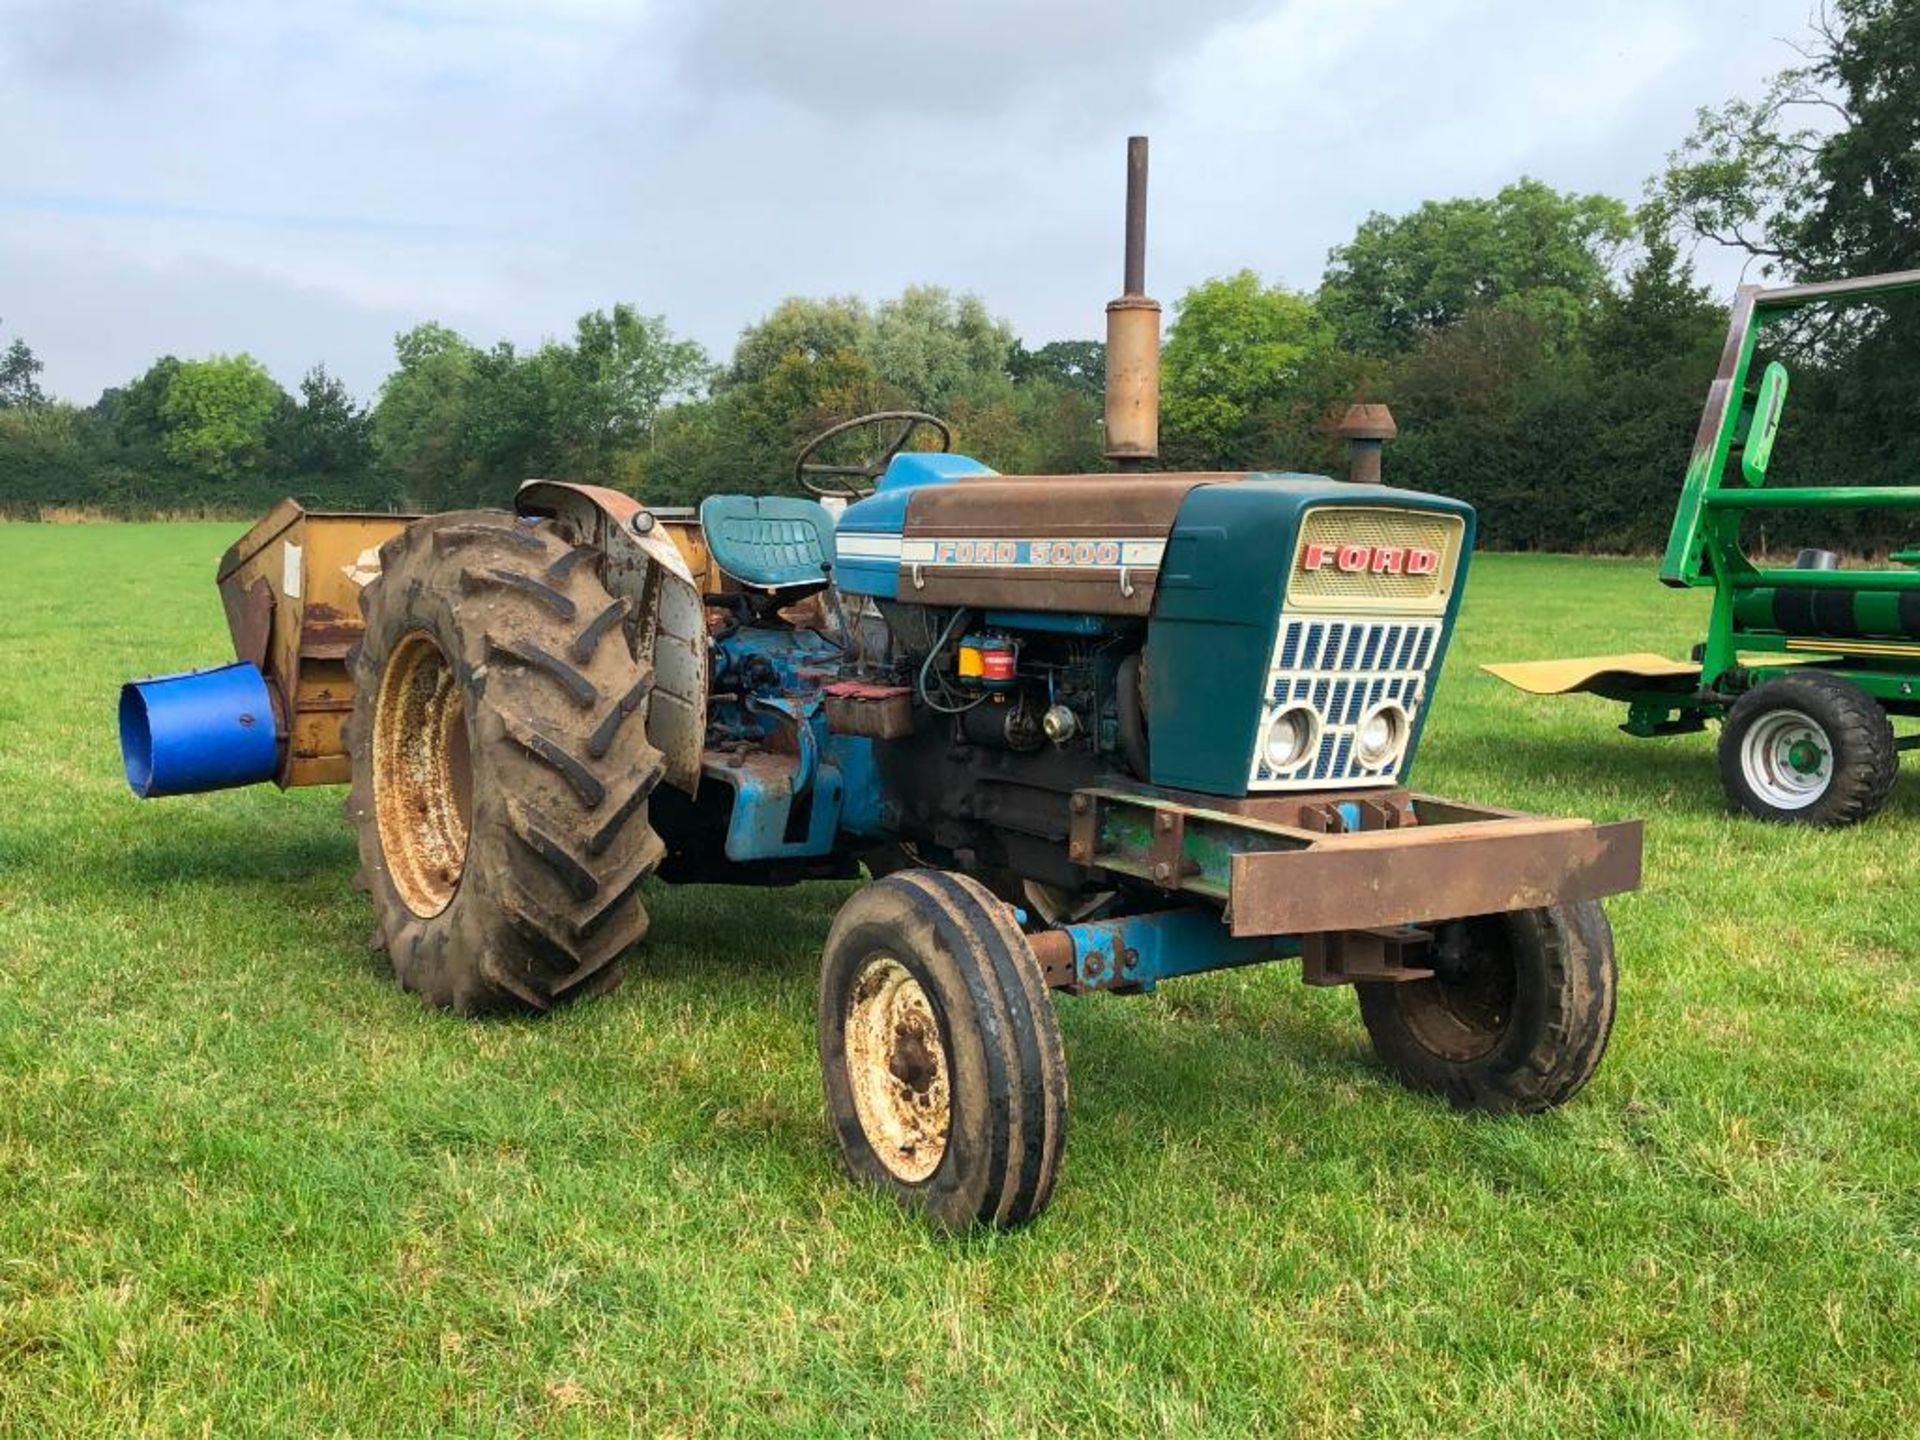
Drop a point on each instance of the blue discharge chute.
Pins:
(200, 730)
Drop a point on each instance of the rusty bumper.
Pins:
(1368, 861)
(1443, 872)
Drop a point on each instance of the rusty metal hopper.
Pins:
(291, 590)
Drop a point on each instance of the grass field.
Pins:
(246, 1186)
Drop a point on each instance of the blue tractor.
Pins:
(1080, 733)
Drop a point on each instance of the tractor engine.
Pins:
(1220, 635)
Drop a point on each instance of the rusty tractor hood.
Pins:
(946, 530)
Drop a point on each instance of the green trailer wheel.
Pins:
(1808, 749)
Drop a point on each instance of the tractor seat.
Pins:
(769, 542)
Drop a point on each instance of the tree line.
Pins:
(1546, 355)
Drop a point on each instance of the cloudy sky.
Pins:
(301, 180)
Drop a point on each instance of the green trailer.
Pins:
(1804, 665)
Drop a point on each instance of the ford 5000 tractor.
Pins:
(1084, 733)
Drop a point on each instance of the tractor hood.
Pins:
(946, 530)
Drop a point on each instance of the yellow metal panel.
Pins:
(313, 566)
(1598, 674)
(691, 540)
(324, 770)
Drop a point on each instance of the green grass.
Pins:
(246, 1186)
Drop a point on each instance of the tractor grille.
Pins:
(1370, 528)
(1342, 667)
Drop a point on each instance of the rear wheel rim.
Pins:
(1786, 759)
(422, 775)
(898, 1070)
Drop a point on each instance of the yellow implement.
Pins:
(1617, 677)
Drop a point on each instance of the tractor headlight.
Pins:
(1290, 739)
(1382, 736)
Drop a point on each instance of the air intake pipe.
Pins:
(199, 730)
(1366, 428)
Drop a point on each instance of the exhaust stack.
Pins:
(1133, 337)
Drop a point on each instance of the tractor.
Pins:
(1804, 666)
(1078, 732)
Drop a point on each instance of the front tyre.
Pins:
(1515, 1016)
(1808, 749)
(501, 766)
(945, 1079)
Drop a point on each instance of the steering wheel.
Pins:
(840, 483)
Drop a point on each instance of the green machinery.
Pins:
(1806, 664)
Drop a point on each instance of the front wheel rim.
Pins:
(1462, 1012)
(1786, 759)
(898, 1070)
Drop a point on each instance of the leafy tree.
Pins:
(1405, 276)
(455, 424)
(419, 417)
(811, 329)
(19, 371)
(1654, 347)
(814, 362)
(215, 414)
(325, 433)
(505, 434)
(935, 347)
(1820, 179)
(1815, 201)
(1297, 427)
(928, 344)
(1039, 428)
(133, 411)
(1234, 344)
(607, 389)
(764, 425)
(1662, 311)
(1071, 364)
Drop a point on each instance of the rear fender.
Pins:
(643, 564)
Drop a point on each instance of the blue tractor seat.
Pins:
(769, 542)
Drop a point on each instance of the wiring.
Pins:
(926, 668)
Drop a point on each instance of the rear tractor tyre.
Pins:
(1515, 1016)
(945, 1078)
(1808, 749)
(501, 766)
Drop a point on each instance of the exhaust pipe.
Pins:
(1133, 337)
(199, 730)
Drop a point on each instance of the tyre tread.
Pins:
(982, 950)
(1866, 760)
(1576, 1000)
(561, 868)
